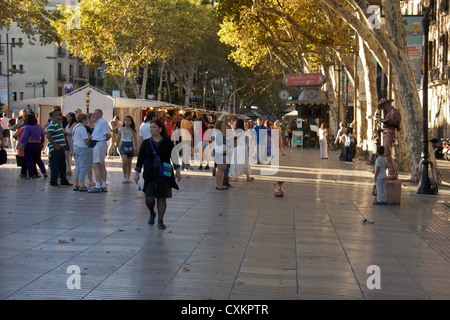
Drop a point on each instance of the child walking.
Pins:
(380, 176)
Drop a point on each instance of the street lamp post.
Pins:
(9, 70)
(425, 186)
(43, 83)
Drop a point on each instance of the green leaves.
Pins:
(31, 17)
(288, 31)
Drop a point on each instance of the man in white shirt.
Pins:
(144, 130)
(4, 123)
(101, 135)
(341, 132)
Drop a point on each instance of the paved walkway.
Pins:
(242, 243)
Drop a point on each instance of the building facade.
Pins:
(439, 70)
(438, 63)
(36, 71)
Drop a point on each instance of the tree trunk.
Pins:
(169, 96)
(144, 80)
(370, 78)
(161, 77)
(188, 86)
(120, 81)
(407, 97)
(331, 92)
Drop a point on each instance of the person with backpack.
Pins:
(349, 142)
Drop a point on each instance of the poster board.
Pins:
(297, 138)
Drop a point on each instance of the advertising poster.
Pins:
(415, 42)
(68, 88)
(297, 138)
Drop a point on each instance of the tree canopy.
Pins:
(32, 17)
(292, 33)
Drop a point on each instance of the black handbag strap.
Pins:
(154, 152)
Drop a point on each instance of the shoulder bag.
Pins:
(165, 169)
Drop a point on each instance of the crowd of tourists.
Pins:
(80, 141)
(231, 146)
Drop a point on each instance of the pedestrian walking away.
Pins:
(32, 143)
(240, 163)
(340, 139)
(68, 130)
(90, 128)
(348, 141)
(20, 156)
(219, 153)
(81, 152)
(100, 136)
(144, 129)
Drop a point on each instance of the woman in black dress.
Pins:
(156, 187)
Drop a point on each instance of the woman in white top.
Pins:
(127, 145)
(323, 134)
(68, 131)
(240, 163)
(277, 126)
(81, 151)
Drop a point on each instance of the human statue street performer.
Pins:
(391, 124)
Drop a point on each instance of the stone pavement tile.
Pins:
(205, 290)
(393, 295)
(244, 243)
(325, 290)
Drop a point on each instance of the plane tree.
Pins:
(299, 35)
(32, 17)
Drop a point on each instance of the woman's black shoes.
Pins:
(151, 221)
(161, 225)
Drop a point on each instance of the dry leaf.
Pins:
(185, 269)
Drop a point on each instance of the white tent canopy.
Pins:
(97, 100)
(109, 105)
(50, 101)
(291, 114)
(141, 103)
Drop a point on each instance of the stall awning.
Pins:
(311, 95)
(141, 103)
(50, 101)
